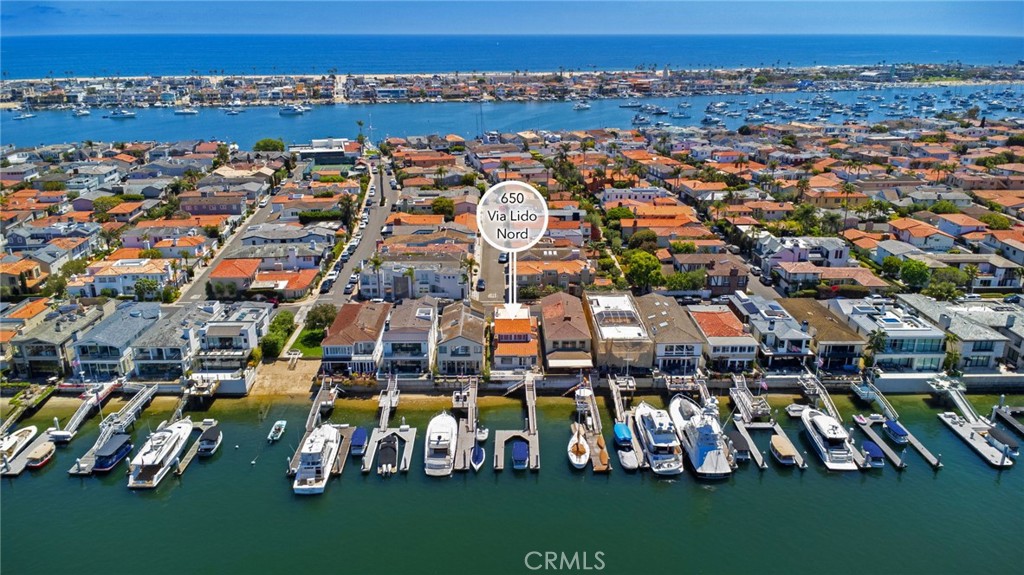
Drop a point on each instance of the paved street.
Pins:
(493, 274)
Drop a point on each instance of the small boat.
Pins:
(81, 112)
(186, 112)
(520, 454)
(873, 454)
(895, 431)
(630, 104)
(782, 449)
(795, 409)
(860, 419)
(482, 433)
(291, 110)
(316, 460)
(359, 441)
(233, 112)
(122, 114)
(387, 456)
(210, 441)
(578, 450)
(277, 431)
(41, 455)
(578, 106)
(627, 459)
(476, 459)
(623, 437)
(739, 445)
(13, 443)
(112, 452)
(439, 445)
(1002, 441)
(25, 116)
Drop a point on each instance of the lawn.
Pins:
(308, 342)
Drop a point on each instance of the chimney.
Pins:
(945, 321)
(803, 326)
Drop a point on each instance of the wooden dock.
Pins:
(466, 438)
(897, 460)
(1008, 415)
(406, 434)
(190, 455)
(593, 432)
(343, 450)
(755, 453)
(115, 423)
(16, 466)
(973, 435)
(530, 434)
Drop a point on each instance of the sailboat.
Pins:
(579, 451)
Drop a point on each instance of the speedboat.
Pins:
(122, 114)
(659, 440)
(795, 409)
(895, 431)
(359, 440)
(477, 457)
(520, 454)
(158, 455)
(210, 441)
(630, 104)
(700, 432)
(439, 446)
(830, 440)
(873, 454)
(1002, 441)
(41, 455)
(13, 443)
(316, 460)
(186, 112)
(624, 446)
(81, 112)
(578, 106)
(387, 456)
(782, 449)
(277, 431)
(482, 433)
(579, 451)
(112, 452)
(291, 110)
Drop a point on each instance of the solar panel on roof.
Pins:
(750, 307)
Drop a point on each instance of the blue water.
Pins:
(466, 119)
(39, 56)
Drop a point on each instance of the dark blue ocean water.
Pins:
(39, 56)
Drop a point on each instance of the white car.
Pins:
(263, 202)
(331, 276)
(373, 192)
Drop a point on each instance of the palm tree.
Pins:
(972, 272)
(505, 165)
(831, 221)
(877, 342)
(469, 264)
(773, 165)
(638, 170)
(803, 185)
(847, 189)
(376, 262)
(952, 355)
(411, 274)
(586, 145)
(439, 174)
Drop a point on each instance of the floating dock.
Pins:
(866, 391)
(387, 402)
(115, 423)
(617, 385)
(590, 418)
(968, 425)
(529, 435)
(16, 466)
(190, 455)
(92, 401)
(897, 460)
(1008, 415)
(465, 399)
(326, 393)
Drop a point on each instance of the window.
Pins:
(983, 346)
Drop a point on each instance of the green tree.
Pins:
(878, 340)
(644, 271)
(443, 206)
(942, 291)
(972, 272)
(683, 247)
(151, 253)
(102, 205)
(618, 214)
(891, 266)
(944, 207)
(54, 186)
(686, 281)
(145, 287)
(949, 275)
(223, 155)
(641, 238)
(269, 145)
(914, 273)
(271, 345)
(321, 316)
(996, 221)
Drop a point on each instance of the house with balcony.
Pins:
(981, 343)
(783, 341)
(620, 339)
(353, 342)
(836, 347)
(105, 351)
(16, 319)
(46, 348)
(118, 277)
(678, 344)
(227, 339)
(994, 272)
(516, 341)
(166, 351)
(730, 346)
(410, 338)
(460, 346)
(770, 251)
(914, 349)
(410, 279)
(566, 336)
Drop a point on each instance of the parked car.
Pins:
(503, 258)
(349, 288)
(263, 202)
(331, 276)
(481, 285)
(326, 286)
(766, 280)
(353, 278)
(756, 271)
(1015, 298)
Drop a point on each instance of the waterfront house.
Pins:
(835, 346)
(783, 341)
(978, 344)
(567, 339)
(166, 351)
(45, 348)
(105, 352)
(678, 344)
(410, 338)
(730, 346)
(620, 338)
(516, 341)
(353, 342)
(228, 338)
(460, 346)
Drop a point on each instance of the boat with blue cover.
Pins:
(873, 454)
(477, 457)
(112, 452)
(623, 437)
(895, 431)
(520, 454)
(359, 441)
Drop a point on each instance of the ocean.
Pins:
(127, 55)
(236, 513)
(381, 120)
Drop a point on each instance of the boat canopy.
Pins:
(210, 434)
(622, 433)
(113, 444)
(895, 427)
(359, 436)
(783, 446)
(739, 442)
(1004, 438)
(872, 449)
(520, 451)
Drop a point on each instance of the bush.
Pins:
(805, 293)
(284, 322)
(271, 345)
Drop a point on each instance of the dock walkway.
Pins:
(190, 455)
(115, 423)
(466, 438)
(1008, 415)
(529, 434)
(897, 460)
(325, 393)
(16, 466)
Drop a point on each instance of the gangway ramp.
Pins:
(867, 391)
(115, 423)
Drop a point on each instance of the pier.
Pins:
(93, 400)
(590, 419)
(465, 399)
(897, 459)
(186, 459)
(529, 434)
(324, 394)
(752, 410)
(867, 391)
(115, 423)
(623, 415)
(387, 402)
(17, 465)
(1008, 415)
(29, 400)
(972, 428)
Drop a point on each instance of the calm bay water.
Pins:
(227, 515)
(104, 55)
(466, 119)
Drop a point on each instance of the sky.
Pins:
(514, 17)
